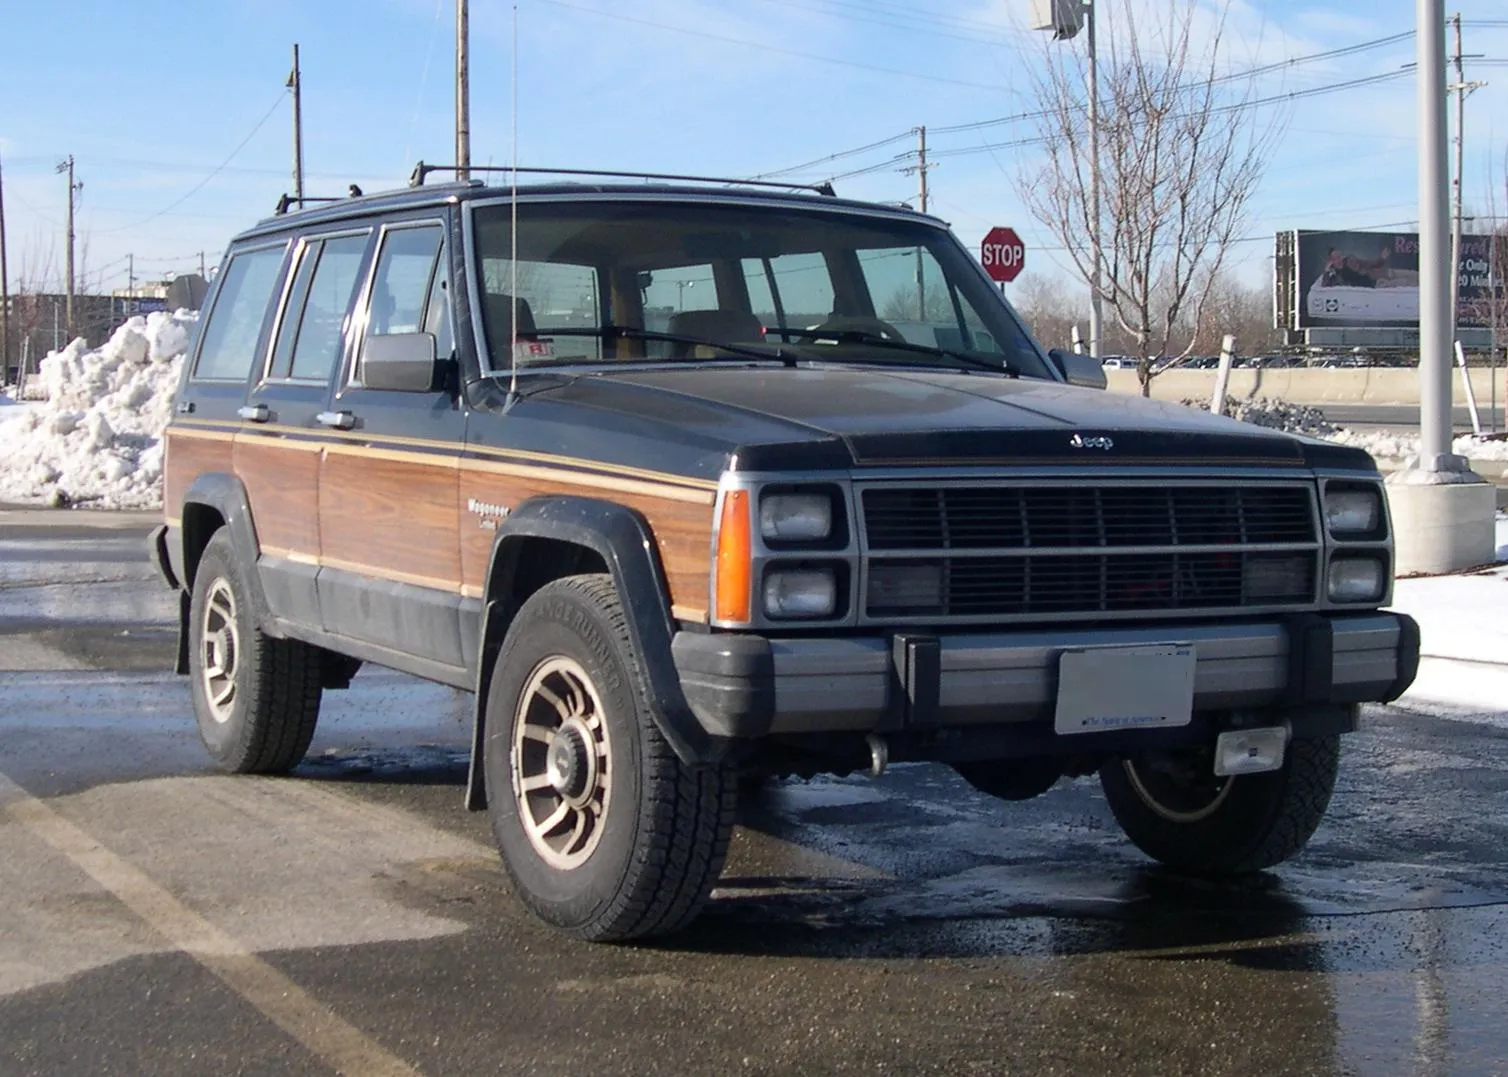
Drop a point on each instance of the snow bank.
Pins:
(96, 441)
(1400, 446)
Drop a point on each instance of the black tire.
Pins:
(1174, 809)
(645, 845)
(257, 714)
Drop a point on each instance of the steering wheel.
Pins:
(855, 323)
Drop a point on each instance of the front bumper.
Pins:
(748, 686)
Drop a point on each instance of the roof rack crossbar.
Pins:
(423, 170)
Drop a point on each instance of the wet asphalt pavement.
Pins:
(158, 918)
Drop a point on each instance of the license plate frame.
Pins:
(1110, 689)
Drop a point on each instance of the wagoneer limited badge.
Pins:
(489, 513)
(1079, 441)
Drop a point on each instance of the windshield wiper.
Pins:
(864, 336)
(610, 333)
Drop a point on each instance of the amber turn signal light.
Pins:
(734, 558)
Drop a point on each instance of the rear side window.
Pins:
(320, 328)
(229, 343)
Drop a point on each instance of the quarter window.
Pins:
(229, 343)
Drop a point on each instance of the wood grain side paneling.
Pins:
(392, 514)
(680, 519)
(281, 477)
(187, 455)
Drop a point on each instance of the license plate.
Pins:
(1102, 689)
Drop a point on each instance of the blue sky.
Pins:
(151, 103)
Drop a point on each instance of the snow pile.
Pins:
(96, 441)
(1402, 446)
(1274, 414)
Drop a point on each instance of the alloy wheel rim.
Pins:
(220, 650)
(559, 763)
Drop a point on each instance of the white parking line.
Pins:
(303, 1017)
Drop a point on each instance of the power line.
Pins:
(196, 188)
(747, 43)
(1280, 65)
(836, 156)
(878, 16)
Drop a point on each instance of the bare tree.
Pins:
(29, 301)
(1049, 309)
(1181, 153)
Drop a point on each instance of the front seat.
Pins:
(498, 313)
(720, 326)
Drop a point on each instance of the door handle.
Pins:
(255, 413)
(185, 407)
(340, 420)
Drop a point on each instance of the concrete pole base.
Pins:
(1441, 526)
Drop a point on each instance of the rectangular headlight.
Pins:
(795, 517)
(800, 593)
(1353, 512)
(1356, 579)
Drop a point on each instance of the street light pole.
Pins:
(1442, 512)
(1434, 248)
(1097, 255)
(1065, 18)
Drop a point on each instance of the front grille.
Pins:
(1021, 551)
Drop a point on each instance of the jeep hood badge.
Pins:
(1079, 441)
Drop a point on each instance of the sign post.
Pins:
(1002, 254)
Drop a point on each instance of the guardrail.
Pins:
(1387, 386)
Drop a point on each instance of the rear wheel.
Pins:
(256, 698)
(1176, 810)
(606, 834)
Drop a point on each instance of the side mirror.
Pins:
(401, 362)
(1081, 370)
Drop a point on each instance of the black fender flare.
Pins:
(626, 544)
(227, 496)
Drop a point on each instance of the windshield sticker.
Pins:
(533, 349)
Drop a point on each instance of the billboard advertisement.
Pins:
(1366, 279)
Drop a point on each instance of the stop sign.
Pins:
(1002, 254)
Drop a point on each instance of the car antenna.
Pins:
(513, 233)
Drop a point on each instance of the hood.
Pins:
(771, 416)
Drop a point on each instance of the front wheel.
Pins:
(605, 833)
(1176, 810)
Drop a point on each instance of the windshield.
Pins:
(750, 275)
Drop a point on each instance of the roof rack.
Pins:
(422, 170)
(289, 201)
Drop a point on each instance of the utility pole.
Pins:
(921, 168)
(1461, 88)
(463, 91)
(296, 84)
(66, 166)
(4, 288)
(201, 265)
(131, 274)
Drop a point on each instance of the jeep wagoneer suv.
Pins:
(654, 471)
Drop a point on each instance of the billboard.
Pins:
(1371, 279)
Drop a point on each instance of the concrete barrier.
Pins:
(1388, 386)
